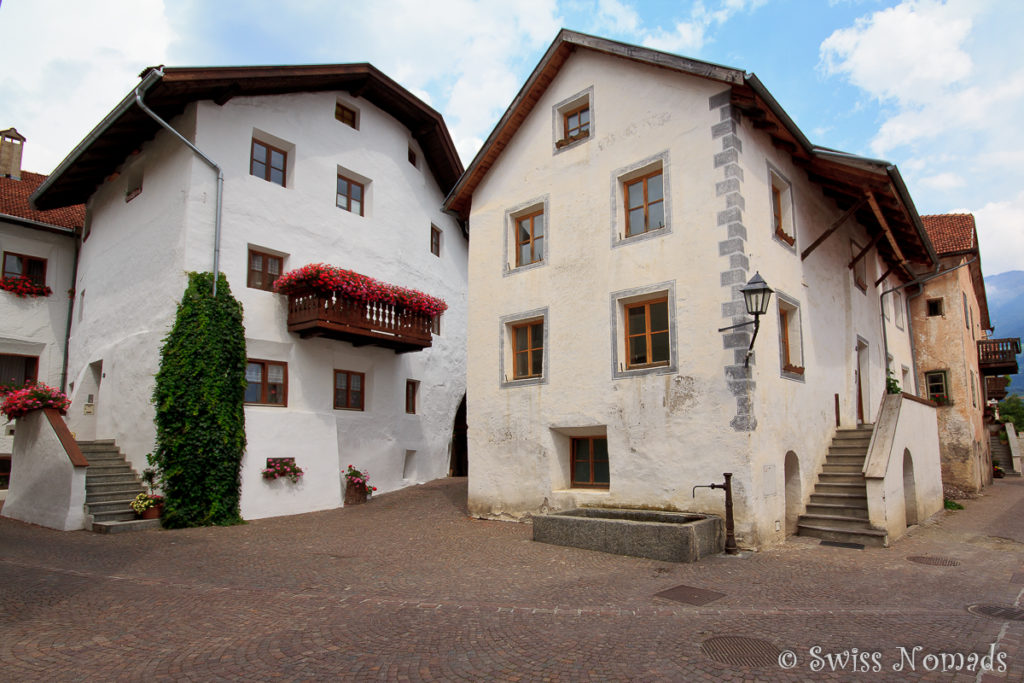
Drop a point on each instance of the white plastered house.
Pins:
(39, 245)
(333, 164)
(616, 209)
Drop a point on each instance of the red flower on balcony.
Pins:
(24, 286)
(325, 280)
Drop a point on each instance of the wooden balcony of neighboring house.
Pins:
(995, 387)
(998, 356)
(360, 323)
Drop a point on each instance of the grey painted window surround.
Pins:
(583, 96)
(788, 199)
(619, 177)
(506, 354)
(542, 202)
(618, 300)
(795, 304)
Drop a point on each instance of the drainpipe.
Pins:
(910, 324)
(71, 308)
(147, 82)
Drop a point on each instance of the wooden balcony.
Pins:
(998, 356)
(995, 387)
(358, 322)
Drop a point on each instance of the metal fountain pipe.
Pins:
(730, 528)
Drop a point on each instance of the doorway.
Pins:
(794, 492)
(909, 488)
(862, 365)
(459, 466)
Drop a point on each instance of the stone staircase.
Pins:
(110, 486)
(1001, 454)
(838, 508)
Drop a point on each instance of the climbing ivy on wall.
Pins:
(200, 422)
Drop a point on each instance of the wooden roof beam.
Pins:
(880, 217)
(831, 229)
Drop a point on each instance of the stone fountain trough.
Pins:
(667, 536)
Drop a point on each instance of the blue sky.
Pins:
(935, 86)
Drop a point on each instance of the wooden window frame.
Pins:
(412, 156)
(646, 202)
(264, 384)
(533, 346)
(435, 324)
(531, 240)
(581, 130)
(789, 316)
(935, 304)
(348, 196)
(435, 241)
(25, 260)
(574, 450)
(412, 388)
(343, 112)
(648, 333)
(265, 286)
(859, 270)
(30, 377)
(932, 395)
(348, 390)
(267, 166)
(780, 190)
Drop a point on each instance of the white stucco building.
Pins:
(39, 245)
(615, 211)
(332, 164)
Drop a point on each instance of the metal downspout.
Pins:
(71, 308)
(146, 83)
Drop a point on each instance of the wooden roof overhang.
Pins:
(870, 190)
(127, 127)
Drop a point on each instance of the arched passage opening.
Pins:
(794, 492)
(459, 466)
(909, 488)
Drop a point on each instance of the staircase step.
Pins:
(845, 449)
(842, 499)
(867, 537)
(832, 509)
(119, 527)
(119, 505)
(860, 489)
(828, 478)
(95, 480)
(123, 515)
(844, 468)
(109, 467)
(112, 494)
(835, 521)
(845, 459)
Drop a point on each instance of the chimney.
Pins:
(11, 145)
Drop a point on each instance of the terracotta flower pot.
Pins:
(153, 512)
(355, 494)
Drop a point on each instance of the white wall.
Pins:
(301, 222)
(34, 326)
(46, 489)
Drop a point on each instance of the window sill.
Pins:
(793, 369)
(523, 382)
(351, 410)
(570, 141)
(785, 238)
(266, 405)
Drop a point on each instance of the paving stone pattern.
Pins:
(409, 588)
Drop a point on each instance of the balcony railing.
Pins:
(358, 322)
(998, 356)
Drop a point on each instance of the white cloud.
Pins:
(615, 17)
(1001, 235)
(67, 64)
(943, 181)
(687, 37)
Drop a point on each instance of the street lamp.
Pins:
(756, 295)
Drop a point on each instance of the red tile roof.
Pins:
(14, 202)
(951, 232)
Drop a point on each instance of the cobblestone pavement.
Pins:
(409, 588)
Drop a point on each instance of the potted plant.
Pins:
(357, 486)
(997, 472)
(148, 505)
(282, 467)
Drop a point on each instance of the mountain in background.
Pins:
(1005, 293)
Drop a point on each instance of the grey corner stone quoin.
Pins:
(665, 536)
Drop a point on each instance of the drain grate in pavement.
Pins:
(841, 544)
(935, 561)
(741, 651)
(998, 612)
(690, 595)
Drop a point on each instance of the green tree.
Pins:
(1011, 409)
(199, 397)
